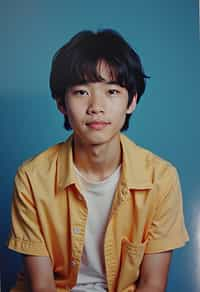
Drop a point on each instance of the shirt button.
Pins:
(76, 230)
(73, 263)
(124, 191)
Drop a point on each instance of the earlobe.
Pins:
(132, 106)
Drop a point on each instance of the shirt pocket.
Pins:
(131, 258)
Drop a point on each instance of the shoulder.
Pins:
(147, 166)
(159, 167)
(41, 162)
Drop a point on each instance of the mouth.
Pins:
(97, 125)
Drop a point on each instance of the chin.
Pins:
(97, 141)
(100, 139)
(96, 137)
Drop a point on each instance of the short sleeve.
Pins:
(25, 235)
(168, 230)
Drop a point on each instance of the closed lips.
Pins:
(98, 123)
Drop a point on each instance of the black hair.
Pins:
(76, 63)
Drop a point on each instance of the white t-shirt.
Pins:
(99, 196)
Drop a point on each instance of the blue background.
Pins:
(166, 35)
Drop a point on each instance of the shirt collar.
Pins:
(136, 172)
(136, 169)
(65, 171)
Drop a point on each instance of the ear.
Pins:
(60, 105)
(132, 106)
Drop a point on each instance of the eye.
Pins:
(113, 91)
(80, 92)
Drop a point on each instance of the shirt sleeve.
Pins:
(26, 235)
(168, 230)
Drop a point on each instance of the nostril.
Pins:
(95, 110)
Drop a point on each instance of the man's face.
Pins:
(97, 110)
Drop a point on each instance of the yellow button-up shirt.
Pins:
(146, 215)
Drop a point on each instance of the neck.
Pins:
(97, 162)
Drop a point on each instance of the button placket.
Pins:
(124, 193)
(73, 263)
(80, 197)
(76, 230)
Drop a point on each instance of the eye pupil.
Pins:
(113, 91)
(80, 92)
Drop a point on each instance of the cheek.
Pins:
(119, 109)
(75, 112)
(120, 104)
(122, 111)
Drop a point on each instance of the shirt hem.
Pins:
(158, 246)
(27, 247)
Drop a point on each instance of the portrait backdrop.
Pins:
(166, 36)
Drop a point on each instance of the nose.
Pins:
(96, 105)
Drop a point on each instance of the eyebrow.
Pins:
(103, 81)
(111, 82)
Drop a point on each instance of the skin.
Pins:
(38, 274)
(154, 272)
(97, 112)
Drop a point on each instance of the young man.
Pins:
(97, 212)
